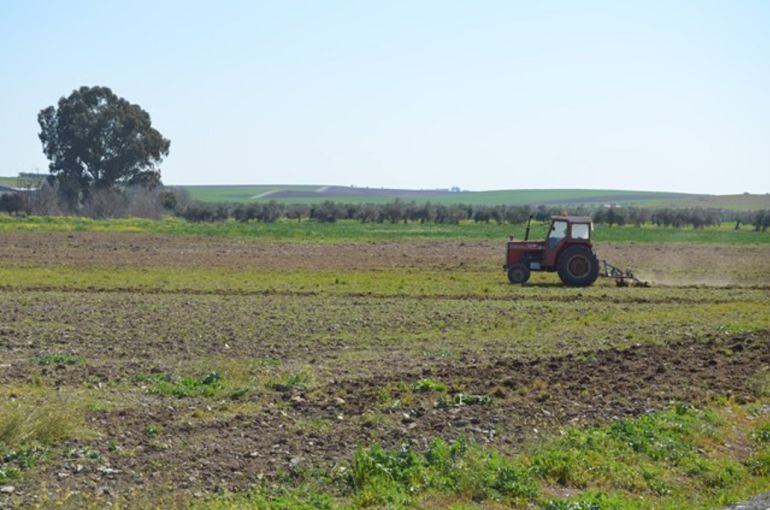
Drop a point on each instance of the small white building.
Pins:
(13, 189)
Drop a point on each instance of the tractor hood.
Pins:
(526, 245)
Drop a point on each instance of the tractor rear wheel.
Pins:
(518, 273)
(578, 266)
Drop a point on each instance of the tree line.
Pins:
(154, 203)
(399, 211)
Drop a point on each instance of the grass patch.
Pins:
(760, 383)
(677, 458)
(24, 423)
(300, 380)
(57, 359)
(425, 385)
(33, 424)
(762, 434)
(210, 385)
(152, 430)
(14, 462)
(351, 230)
(393, 477)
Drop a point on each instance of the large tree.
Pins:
(96, 140)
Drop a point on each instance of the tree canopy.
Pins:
(96, 140)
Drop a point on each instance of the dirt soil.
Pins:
(529, 398)
(675, 264)
(542, 359)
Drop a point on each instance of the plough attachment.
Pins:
(622, 278)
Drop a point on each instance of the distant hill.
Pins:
(311, 194)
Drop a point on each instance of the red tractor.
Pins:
(567, 250)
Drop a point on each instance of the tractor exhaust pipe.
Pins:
(529, 223)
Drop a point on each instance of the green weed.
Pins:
(424, 385)
(8, 473)
(13, 463)
(395, 477)
(299, 380)
(462, 399)
(58, 359)
(152, 430)
(209, 385)
(762, 434)
(669, 459)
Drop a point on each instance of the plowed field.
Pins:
(197, 365)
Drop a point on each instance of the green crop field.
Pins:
(566, 197)
(351, 230)
(317, 194)
(236, 193)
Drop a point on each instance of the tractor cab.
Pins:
(566, 249)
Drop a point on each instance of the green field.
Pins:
(568, 197)
(16, 181)
(8, 181)
(317, 194)
(314, 194)
(743, 202)
(351, 230)
(236, 193)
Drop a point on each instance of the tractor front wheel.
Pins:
(578, 266)
(518, 273)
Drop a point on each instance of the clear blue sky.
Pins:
(670, 95)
